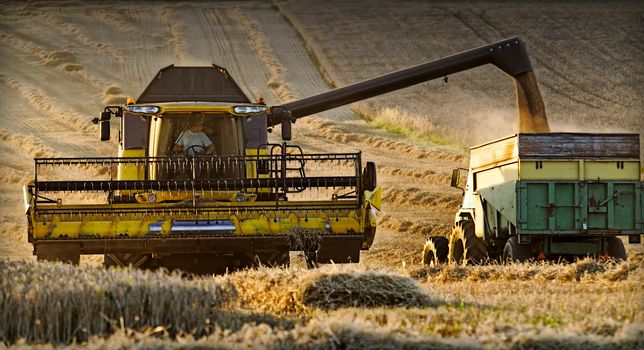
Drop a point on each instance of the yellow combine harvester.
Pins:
(197, 186)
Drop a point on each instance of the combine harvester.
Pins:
(238, 202)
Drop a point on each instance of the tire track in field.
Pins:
(536, 43)
(176, 30)
(414, 227)
(231, 49)
(14, 168)
(417, 197)
(27, 144)
(46, 105)
(63, 60)
(115, 21)
(79, 128)
(260, 43)
(78, 34)
(427, 175)
(19, 169)
(575, 65)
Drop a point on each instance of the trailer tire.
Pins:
(436, 250)
(615, 248)
(515, 252)
(464, 247)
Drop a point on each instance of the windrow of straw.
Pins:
(294, 291)
(59, 303)
(579, 271)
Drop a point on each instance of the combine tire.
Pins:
(465, 247)
(272, 259)
(435, 250)
(73, 259)
(615, 248)
(124, 260)
(513, 251)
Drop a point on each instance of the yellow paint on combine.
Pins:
(246, 223)
(165, 196)
(251, 169)
(131, 171)
(374, 197)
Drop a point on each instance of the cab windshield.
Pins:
(192, 133)
(195, 134)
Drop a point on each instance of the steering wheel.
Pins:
(196, 149)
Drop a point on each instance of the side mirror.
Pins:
(456, 178)
(369, 176)
(105, 130)
(286, 129)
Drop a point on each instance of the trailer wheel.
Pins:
(513, 251)
(436, 250)
(615, 248)
(465, 247)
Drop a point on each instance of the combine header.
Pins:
(197, 186)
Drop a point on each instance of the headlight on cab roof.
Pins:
(142, 109)
(249, 109)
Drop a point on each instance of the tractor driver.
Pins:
(194, 140)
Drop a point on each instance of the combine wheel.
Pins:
(272, 259)
(136, 260)
(513, 251)
(67, 254)
(73, 259)
(311, 258)
(435, 250)
(615, 248)
(465, 247)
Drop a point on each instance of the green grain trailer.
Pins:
(546, 195)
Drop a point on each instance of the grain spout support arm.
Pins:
(509, 55)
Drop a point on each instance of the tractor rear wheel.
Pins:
(615, 248)
(513, 251)
(465, 247)
(436, 250)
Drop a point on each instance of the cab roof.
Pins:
(204, 84)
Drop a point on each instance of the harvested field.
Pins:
(333, 306)
(61, 62)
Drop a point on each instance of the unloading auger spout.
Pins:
(509, 55)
